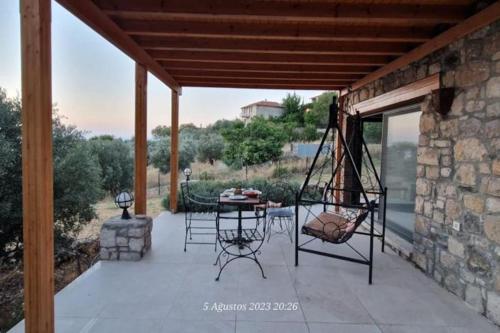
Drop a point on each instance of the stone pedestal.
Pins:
(125, 239)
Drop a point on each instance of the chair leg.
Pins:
(270, 224)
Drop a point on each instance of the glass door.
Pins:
(399, 168)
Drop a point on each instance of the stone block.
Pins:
(447, 260)
(495, 167)
(428, 123)
(492, 128)
(136, 244)
(472, 73)
(475, 106)
(428, 156)
(471, 149)
(493, 187)
(455, 247)
(479, 262)
(432, 172)
(474, 203)
(492, 228)
(493, 87)
(423, 187)
(446, 161)
(449, 128)
(428, 207)
(484, 168)
(421, 225)
(454, 285)
(493, 110)
(466, 175)
(493, 307)
(453, 209)
(419, 204)
(136, 232)
(121, 241)
(474, 297)
(493, 205)
(469, 127)
(107, 238)
(445, 172)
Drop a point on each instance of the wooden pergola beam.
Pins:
(289, 85)
(264, 79)
(141, 140)
(92, 15)
(267, 67)
(278, 31)
(37, 165)
(487, 16)
(270, 58)
(174, 151)
(240, 70)
(278, 46)
(285, 11)
(190, 73)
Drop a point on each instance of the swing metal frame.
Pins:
(371, 206)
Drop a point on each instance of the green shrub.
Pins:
(212, 188)
(281, 172)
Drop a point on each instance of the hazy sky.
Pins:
(93, 82)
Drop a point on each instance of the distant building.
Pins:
(264, 109)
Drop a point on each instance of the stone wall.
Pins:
(458, 171)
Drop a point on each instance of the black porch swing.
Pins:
(341, 192)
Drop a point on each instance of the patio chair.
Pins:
(200, 216)
(280, 209)
(241, 241)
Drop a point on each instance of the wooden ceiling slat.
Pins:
(268, 68)
(260, 85)
(286, 31)
(250, 78)
(281, 46)
(264, 75)
(259, 80)
(281, 11)
(269, 58)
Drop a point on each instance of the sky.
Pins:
(93, 81)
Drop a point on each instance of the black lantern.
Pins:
(124, 200)
(187, 172)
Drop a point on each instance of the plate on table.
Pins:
(237, 197)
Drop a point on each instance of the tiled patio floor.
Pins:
(166, 292)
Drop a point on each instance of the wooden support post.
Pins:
(174, 151)
(141, 140)
(38, 205)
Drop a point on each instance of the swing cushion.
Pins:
(329, 226)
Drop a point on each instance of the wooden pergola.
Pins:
(274, 44)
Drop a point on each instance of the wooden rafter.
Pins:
(274, 47)
(280, 11)
(292, 59)
(185, 73)
(270, 68)
(280, 31)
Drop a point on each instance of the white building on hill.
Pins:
(264, 109)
